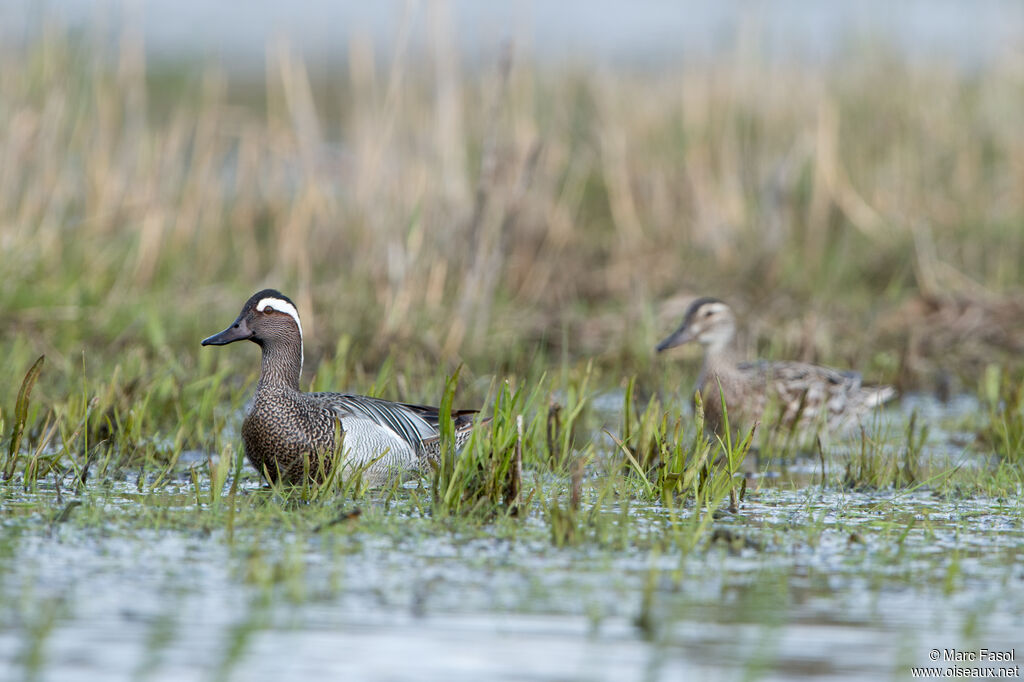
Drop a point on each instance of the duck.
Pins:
(291, 436)
(810, 400)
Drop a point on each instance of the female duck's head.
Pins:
(708, 321)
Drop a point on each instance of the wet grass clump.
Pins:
(487, 476)
(675, 461)
(1003, 396)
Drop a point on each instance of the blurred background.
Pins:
(499, 184)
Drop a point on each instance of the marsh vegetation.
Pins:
(520, 238)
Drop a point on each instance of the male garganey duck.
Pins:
(808, 398)
(285, 426)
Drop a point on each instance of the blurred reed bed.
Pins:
(863, 212)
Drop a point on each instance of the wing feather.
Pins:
(411, 423)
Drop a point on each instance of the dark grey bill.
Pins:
(677, 338)
(239, 331)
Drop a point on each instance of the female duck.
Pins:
(806, 397)
(289, 434)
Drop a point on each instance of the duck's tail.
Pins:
(467, 419)
(877, 395)
(465, 422)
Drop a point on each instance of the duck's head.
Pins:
(708, 321)
(267, 318)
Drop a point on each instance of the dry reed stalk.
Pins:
(459, 207)
(576, 483)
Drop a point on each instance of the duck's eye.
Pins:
(709, 313)
(269, 310)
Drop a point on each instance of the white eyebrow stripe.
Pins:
(283, 306)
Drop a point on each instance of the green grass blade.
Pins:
(21, 414)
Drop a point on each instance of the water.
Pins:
(583, 31)
(801, 584)
(174, 604)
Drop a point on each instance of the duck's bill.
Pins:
(239, 331)
(678, 338)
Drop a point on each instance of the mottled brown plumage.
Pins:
(807, 398)
(288, 433)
